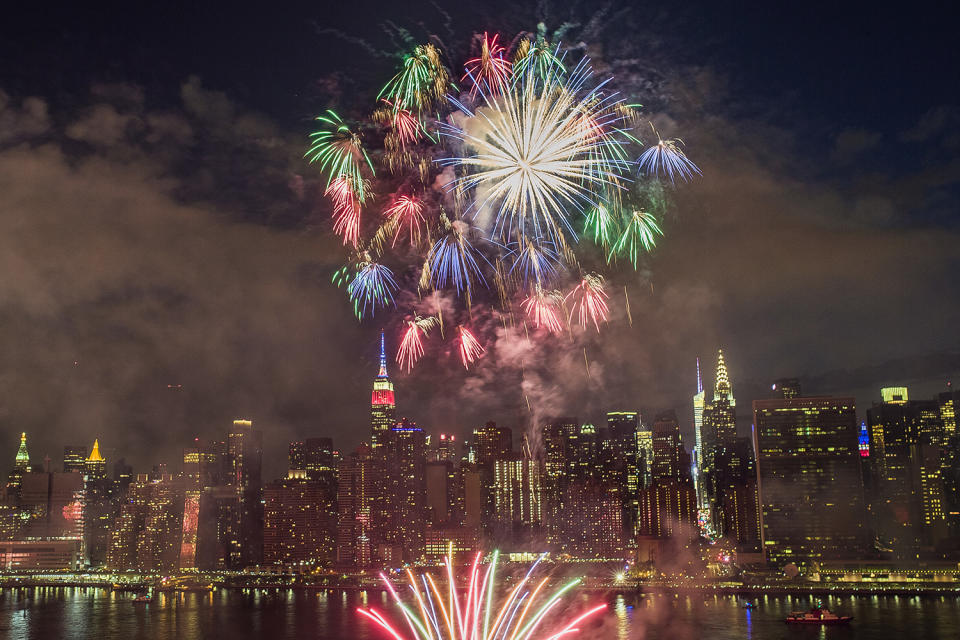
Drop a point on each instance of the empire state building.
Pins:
(382, 405)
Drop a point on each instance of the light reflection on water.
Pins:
(75, 613)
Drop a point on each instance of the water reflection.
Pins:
(50, 613)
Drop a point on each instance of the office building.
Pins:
(299, 523)
(808, 479)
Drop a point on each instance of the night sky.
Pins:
(165, 257)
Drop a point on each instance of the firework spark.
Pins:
(545, 309)
(453, 259)
(346, 209)
(421, 83)
(537, 57)
(536, 261)
(406, 212)
(338, 151)
(532, 161)
(478, 610)
(490, 70)
(411, 346)
(668, 159)
(640, 232)
(372, 286)
(470, 348)
(589, 301)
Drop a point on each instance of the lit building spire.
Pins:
(23, 458)
(699, 380)
(723, 387)
(95, 454)
(383, 357)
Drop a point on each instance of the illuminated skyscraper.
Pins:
(100, 498)
(405, 493)
(809, 479)
(74, 459)
(670, 461)
(148, 534)
(699, 402)
(382, 404)
(299, 522)
(491, 442)
(21, 465)
(95, 466)
(354, 499)
(621, 457)
(518, 495)
(907, 438)
(721, 466)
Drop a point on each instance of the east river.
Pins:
(66, 613)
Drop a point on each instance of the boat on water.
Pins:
(817, 615)
(749, 605)
(143, 598)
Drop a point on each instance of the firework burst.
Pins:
(453, 259)
(469, 347)
(406, 212)
(411, 346)
(532, 160)
(666, 158)
(640, 233)
(338, 151)
(421, 83)
(490, 71)
(589, 301)
(479, 610)
(492, 184)
(545, 309)
(372, 286)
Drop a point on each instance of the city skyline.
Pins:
(276, 451)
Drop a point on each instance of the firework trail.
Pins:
(480, 609)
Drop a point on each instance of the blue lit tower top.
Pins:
(383, 357)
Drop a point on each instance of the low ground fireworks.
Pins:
(440, 608)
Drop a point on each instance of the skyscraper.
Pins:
(74, 458)
(907, 439)
(148, 533)
(95, 466)
(404, 447)
(720, 463)
(809, 479)
(354, 499)
(245, 450)
(670, 461)
(699, 403)
(299, 522)
(382, 405)
(623, 461)
(21, 465)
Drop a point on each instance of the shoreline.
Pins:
(894, 589)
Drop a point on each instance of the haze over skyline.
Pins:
(158, 225)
